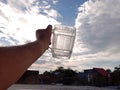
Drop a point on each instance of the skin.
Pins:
(16, 59)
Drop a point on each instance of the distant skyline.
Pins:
(97, 41)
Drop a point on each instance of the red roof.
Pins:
(101, 71)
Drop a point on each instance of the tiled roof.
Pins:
(101, 71)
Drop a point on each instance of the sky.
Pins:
(97, 23)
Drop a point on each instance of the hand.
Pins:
(44, 36)
(27, 54)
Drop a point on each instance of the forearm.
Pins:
(15, 61)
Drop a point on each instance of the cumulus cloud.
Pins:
(23, 17)
(99, 25)
(52, 13)
(20, 5)
(98, 30)
(55, 1)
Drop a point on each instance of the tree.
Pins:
(108, 70)
(67, 76)
(116, 76)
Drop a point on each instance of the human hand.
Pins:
(44, 36)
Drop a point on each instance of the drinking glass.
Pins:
(63, 38)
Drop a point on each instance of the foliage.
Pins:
(66, 76)
(69, 76)
(116, 76)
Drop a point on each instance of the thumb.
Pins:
(48, 30)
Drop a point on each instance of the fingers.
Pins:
(49, 27)
(44, 33)
(48, 30)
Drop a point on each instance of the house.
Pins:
(29, 77)
(95, 76)
(101, 77)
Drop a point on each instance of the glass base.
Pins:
(61, 54)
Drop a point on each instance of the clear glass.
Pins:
(63, 41)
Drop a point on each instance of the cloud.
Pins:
(55, 1)
(98, 29)
(22, 17)
(97, 42)
(98, 26)
(52, 13)
(18, 5)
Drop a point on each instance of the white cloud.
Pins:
(22, 18)
(55, 1)
(20, 5)
(98, 30)
(52, 13)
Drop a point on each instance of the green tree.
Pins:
(108, 70)
(67, 76)
(62, 75)
(116, 76)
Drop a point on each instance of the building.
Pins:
(101, 77)
(29, 77)
(95, 76)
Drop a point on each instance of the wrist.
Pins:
(42, 45)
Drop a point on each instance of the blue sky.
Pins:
(97, 42)
(68, 10)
